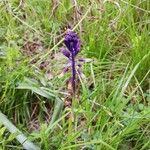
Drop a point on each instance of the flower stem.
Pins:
(73, 73)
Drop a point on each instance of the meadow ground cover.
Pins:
(111, 106)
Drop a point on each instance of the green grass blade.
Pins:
(28, 145)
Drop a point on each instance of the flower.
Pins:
(72, 42)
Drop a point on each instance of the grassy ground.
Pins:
(112, 111)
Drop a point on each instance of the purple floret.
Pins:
(65, 52)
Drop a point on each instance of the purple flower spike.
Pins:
(72, 43)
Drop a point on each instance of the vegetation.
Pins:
(111, 109)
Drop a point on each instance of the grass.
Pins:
(112, 111)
